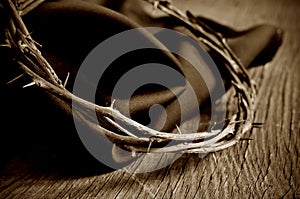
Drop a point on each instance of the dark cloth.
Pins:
(69, 29)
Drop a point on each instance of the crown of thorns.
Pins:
(31, 61)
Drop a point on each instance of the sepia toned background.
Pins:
(52, 163)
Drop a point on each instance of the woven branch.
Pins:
(34, 65)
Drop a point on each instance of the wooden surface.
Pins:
(37, 164)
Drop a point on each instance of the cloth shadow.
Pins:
(37, 137)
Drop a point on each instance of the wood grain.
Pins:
(267, 166)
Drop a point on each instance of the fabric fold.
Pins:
(70, 29)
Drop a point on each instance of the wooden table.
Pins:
(53, 164)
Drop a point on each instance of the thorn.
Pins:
(5, 45)
(28, 36)
(30, 84)
(38, 44)
(213, 126)
(179, 131)
(215, 159)
(150, 143)
(15, 79)
(112, 104)
(66, 80)
(32, 40)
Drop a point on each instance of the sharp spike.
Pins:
(66, 80)
(149, 147)
(30, 84)
(112, 104)
(15, 79)
(179, 131)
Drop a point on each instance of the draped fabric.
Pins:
(69, 29)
